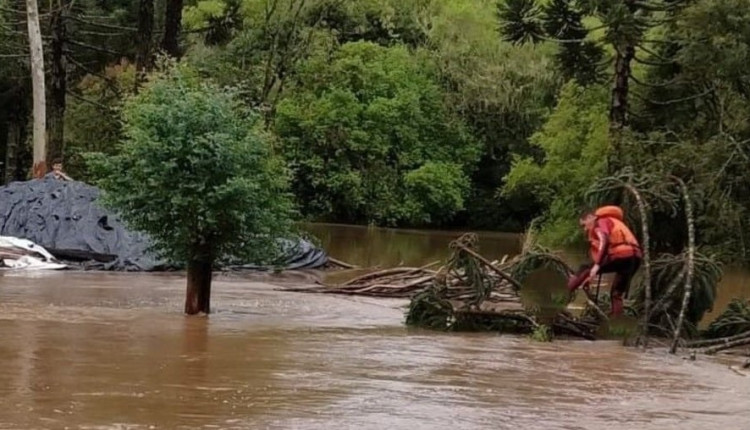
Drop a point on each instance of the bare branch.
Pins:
(96, 17)
(95, 48)
(657, 85)
(657, 42)
(655, 54)
(552, 39)
(85, 100)
(680, 100)
(99, 33)
(653, 63)
(101, 25)
(110, 82)
(657, 7)
(11, 10)
(23, 12)
(12, 30)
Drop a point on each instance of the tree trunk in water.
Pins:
(198, 297)
(172, 27)
(690, 264)
(143, 38)
(56, 107)
(646, 261)
(37, 82)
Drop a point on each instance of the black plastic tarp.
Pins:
(64, 218)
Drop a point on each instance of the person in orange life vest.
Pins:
(613, 249)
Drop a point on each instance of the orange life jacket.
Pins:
(622, 241)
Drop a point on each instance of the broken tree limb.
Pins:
(385, 272)
(404, 287)
(595, 306)
(727, 345)
(720, 341)
(489, 265)
(343, 264)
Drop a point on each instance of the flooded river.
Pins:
(113, 351)
(380, 247)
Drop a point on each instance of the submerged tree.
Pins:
(196, 174)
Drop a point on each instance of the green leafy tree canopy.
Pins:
(575, 144)
(196, 174)
(359, 123)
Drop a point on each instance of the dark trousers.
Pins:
(623, 268)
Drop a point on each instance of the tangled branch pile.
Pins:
(397, 282)
(405, 282)
(469, 292)
(467, 282)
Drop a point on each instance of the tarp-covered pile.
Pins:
(64, 218)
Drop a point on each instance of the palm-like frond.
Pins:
(521, 20)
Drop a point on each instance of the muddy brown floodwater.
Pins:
(112, 351)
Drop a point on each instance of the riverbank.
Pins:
(101, 350)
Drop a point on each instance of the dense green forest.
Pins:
(433, 113)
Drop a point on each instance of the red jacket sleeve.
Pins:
(603, 226)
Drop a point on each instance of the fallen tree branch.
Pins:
(723, 340)
(595, 306)
(343, 264)
(728, 345)
(490, 266)
(392, 271)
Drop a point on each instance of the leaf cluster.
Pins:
(195, 173)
